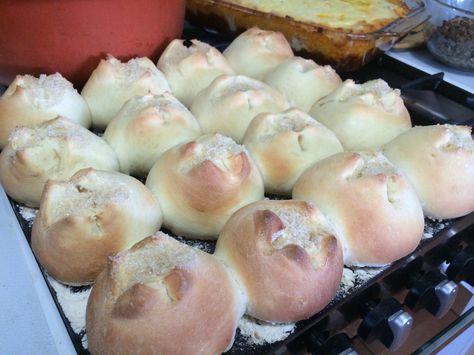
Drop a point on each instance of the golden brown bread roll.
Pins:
(254, 52)
(201, 183)
(29, 101)
(55, 149)
(286, 257)
(370, 202)
(303, 81)
(229, 104)
(189, 69)
(88, 218)
(112, 83)
(439, 161)
(145, 127)
(285, 144)
(363, 116)
(163, 297)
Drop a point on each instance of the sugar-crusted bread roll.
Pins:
(285, 144)
(163, 297)
(303, 81)
(286, 257)
(255, 52)
(363, 116)
(439, 161)
(201, 183)
(372, 205)
(189, 69)
(84, 220)
(145, 127)
(112, 83)
(29, 101)
(229, 104)
(55, 149)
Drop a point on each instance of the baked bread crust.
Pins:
(88, 218)
(163, 297)
(54, 149)
(29, 101)
(201, 183)
(439, 161)
(146, 127)
(286, 257)
(370, 202)
(113, 83)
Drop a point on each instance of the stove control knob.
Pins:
(433, 292)
(339, 344)
(388, 322)
(461, 267)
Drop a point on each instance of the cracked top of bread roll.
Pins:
(363, 116)
(285, 144)
(190, 68)
(53, 149)
(112, 83)
(439, 161)
(229, 104)
(303, 81)
(285, 255)
(147, 126)
(201, 183)
(163, 297)
(254, 52)
(84, 220)
(370, 202)
(30, 100)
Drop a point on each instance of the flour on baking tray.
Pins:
(258, 332)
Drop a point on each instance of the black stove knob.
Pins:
(339, 344)
(432, 291)
(461, 267)
(388, 322)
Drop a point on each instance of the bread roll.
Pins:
(286, 257)
(112, 83)
(29, 100)
(88, 218)
(189, 69)
(229, 104)
(163, 297)
(303, 81)
(285, 144)
(371, 203)
(439, 161)
(201, 183)
(145, 127)
(364, 116)
(55, 150)
(254, 52)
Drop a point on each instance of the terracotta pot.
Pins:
(71, 36)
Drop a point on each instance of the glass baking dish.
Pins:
(345, 50)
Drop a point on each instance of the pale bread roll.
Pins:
(29, 101)
(112, 83)
(363, 116)
(284, 145)
(163, 297)
(254, 52)
(201, 183)
(84, 220)
(229, 104)
(439, 161)
(372, 205)
(54, 149)
(286, 257)
(303, 81)
(145, 127)
(189, 69)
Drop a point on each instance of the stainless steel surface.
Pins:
(400, 325)
(446, 292)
